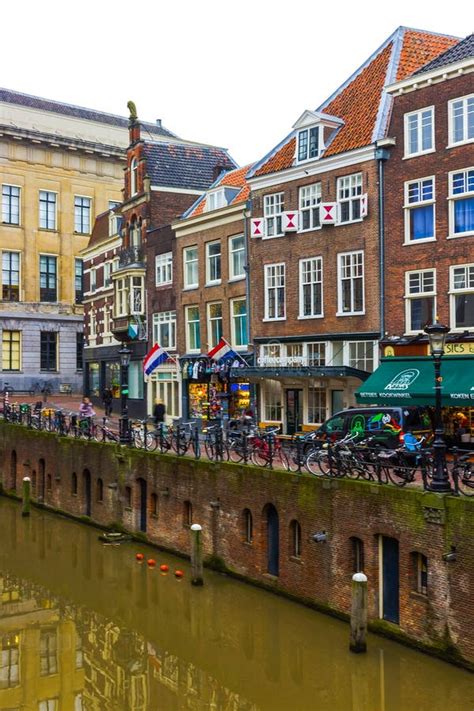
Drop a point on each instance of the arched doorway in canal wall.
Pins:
(270, 517)
(87, 488)
(142, 507)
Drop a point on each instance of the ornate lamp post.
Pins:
(437, 336)
(124, 354)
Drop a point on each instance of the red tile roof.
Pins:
(359, 101)
(233, 178)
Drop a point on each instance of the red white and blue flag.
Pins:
(222, 352)
(154, 358)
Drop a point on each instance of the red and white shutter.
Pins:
(328, 213)
(289, 221)
(364, 205)
(257, 227)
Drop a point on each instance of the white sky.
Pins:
(235, 74)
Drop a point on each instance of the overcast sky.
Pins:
(235, 74)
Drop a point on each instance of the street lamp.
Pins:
(437, 336)
(124, 354)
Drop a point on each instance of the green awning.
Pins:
(410, 381)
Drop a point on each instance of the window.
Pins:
(164, 329)
(316, 405)
(107, 274)
(92, 324)
(349, 191)
(154, 505)
(357, 554)
(273, 207)
(10, 204)
(9, 660)
(236, 257)
(11, 350)
(419, 132)
(295, 539)
(461, 120)
(79, 280)
(350, 283)
(308, 143)
(48, 652)
(137, 295)
(113, 218)
(163, 269)
(193, 330)
(311, 287)
(272, 396)
(135, 233)
(48, 354)
(47, 210)
(79, 351)
(238, 317)
(48, 272)
(310, 198)
(121, 302)
(420, 291)
(247, 526)
(316, 354)
(100, 490)
(48, 705)
(419, 210)
(214, 324)
(361, 355)
(11, 276)
(187, 513)
(462, 296)
(92, 279)
(419, 570)
(275, 308)
(215, 200)
(82, 215)
(107, 322)
(213, 262)
(190, 258)
(133, 176)
(270, 354)
(461, 204)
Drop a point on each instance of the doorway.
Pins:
(273, 540)
(389, 579)
(86, 477)
(294, 404)
(142, 510)
(337, 401)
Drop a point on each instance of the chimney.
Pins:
(217, 170)
(158, 123)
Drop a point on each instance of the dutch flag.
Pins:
(222, 351)
(154, 358)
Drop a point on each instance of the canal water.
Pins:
(84, 626)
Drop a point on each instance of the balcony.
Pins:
(131, 257)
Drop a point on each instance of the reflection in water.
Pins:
(84, 627)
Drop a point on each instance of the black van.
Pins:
(386, 425)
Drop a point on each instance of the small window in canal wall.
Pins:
(187, 513)
(154, 505)
(419, 573)
(295, 539)
(74, 484)
(247, 526)
(357, 554)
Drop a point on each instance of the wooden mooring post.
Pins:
(358, 642)
(196, 555)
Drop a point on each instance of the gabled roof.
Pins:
(231, 179)
(36, 102)
(100, 231)
(362, 102)
(185, 166)
(460, 51)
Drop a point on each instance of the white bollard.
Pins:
(196, 555)
(359, 613)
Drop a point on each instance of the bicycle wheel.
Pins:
(210, 449)
(235, 452)
(258, 456)
(293, 456)
(281, 458)
(313, 463)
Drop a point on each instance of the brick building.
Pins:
(213, 297)
(162, 179)
(316, 293)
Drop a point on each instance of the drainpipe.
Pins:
(247, 213)
(381, 155)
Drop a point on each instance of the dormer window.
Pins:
(215, 200)
(308, 143)
(133, 177)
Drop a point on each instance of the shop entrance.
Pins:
(294, 406)
(389, 556)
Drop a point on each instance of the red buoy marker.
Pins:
(164, 568)
(151, 562)
(178, 573)
(139, 557)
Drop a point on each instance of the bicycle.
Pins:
(102, 433)
(141, 437)
(299, 449)
(463, 472)
(185, 437)
(266, 449)
(214, 445)
(400, 466)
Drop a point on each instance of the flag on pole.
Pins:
(154, 358)
(222, 352)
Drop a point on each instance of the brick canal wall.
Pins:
(160, 495)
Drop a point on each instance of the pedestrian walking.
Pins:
(85, 408)
(159, 411)
(107, 399)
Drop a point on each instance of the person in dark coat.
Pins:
(107, 399)
(159, 412)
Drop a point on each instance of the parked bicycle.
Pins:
(185, 437)
(267, 449)
(463, 472)
(214, 444)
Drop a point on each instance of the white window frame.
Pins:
(85, 229)
(453, 292)
(308, 130)
(164, 269)
(453, 197)
(411, 296)
(19, 254)
(187, 262)
(215, 200)
(351, 362)
(168, 318)
(92, 279)
(273, 207)
(107, 275)
(218, 258)
(351, 184)
(113, 218)
(137, 289)
(187, 321)
(48, 192)
(410, 206)
(322, 346)
(316, 266)
(464, 100)
(133, 177)
(309, 200)
(419, 133)
(121, 297)
(268, 402)
(279, 270)
(323, 395)
(9, 222)
(92, 325)
(340, 265)
(211, 340)
(232, 275)
(233, 319)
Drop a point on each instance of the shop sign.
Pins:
(466, 348)
(283, 361)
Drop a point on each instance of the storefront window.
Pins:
(204, 400)
(112, 378)
(239, 398)
(94, 379)
(135, 380)
(316, 405)
(273, 401)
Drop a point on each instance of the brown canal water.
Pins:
(84, 626)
